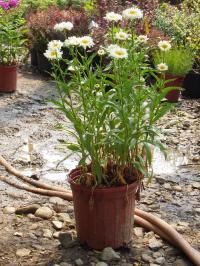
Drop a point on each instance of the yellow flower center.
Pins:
(133, 12)
(53, 53)
(119, 53)
(85, 42)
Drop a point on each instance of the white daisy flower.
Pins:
(72, 41)
(63, 26)
(118, 53)
(132, 13)
(86, 41)
(112, 16)
(101, 52)
(55, 44)
(121, 35)
(142, 38)
(162, 67)
(53, 54)
(164, 46)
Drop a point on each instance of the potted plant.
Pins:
(174, 64)
(12, 39)
(114, 131)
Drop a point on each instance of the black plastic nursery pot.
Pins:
(33, 54)
(191, 85)
(43, 64)
(104, 216)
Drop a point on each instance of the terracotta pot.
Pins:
(174, 95)
(8, 78)
(104, 216)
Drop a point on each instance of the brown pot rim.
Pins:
(75, 173)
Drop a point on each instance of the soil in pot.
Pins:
(8, 78)
(104, 216)
(174, 95)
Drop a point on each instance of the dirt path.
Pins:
(30, 141)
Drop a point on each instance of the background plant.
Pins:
(13, 37)
(178, 60)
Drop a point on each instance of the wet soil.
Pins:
(30, 141)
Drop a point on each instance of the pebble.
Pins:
(47, 233)
(101, 263)
(157, 254)
(44, 212)
(108, 254)
(79, 262)
(197, 210)
(70, 209)
(18, 234)
(56, 234)
(64, 217)
(160, 260)
(57, 225)
(147, 258)
(8, 210)
(67, 240)
(138, 231)
(34, 226)
(167, 186)
(155, 244)
(23, 252)
(65, 264)
(196, 185)
(56, 201)
(177, 188)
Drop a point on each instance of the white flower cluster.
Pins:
(63, 26)
(54, 50)
(130, 14)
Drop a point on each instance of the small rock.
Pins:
(64, 217)
(47, 233)
(108, 254)
(44, 212)
(23, 252)
(147, 258)
(196, 185)
(157, 254)
(70, 209)
(27, 209)
(18, 234)
(196, 158)
(56, 200)
(56, 234)
(101, 263)
(197, 210)
(57, 225)
(167, 186)
(180, 262)
(65, 264)
(155, 244)
(138, 231)
(79, 262)
(8, 210)
(67, 240)
(34, 226)
(153, 264)
(177, 188)
(160, 260)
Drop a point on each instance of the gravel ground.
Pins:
(30, 141)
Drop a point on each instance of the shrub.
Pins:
(41, 24)
(178, 60)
